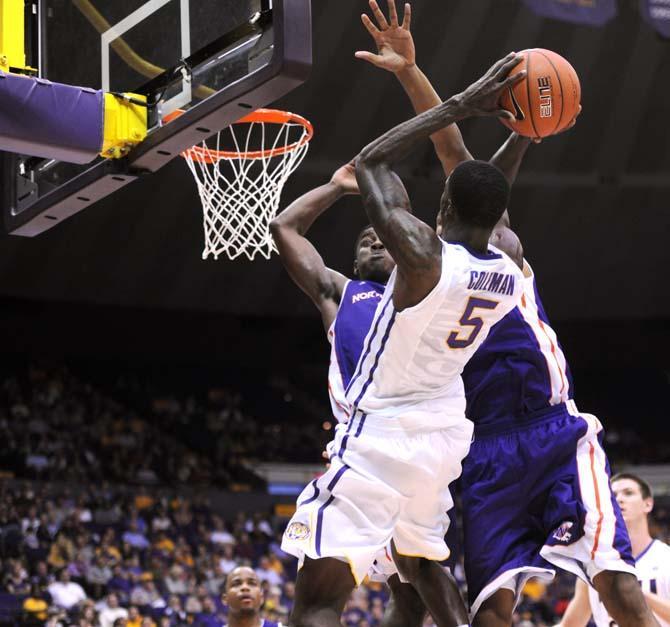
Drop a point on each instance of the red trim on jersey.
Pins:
(342, 407)
(600, 511)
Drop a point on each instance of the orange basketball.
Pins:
(547, 100)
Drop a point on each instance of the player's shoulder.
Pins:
(660, 551)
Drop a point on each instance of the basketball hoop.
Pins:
(240, 187)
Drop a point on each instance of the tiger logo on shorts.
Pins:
(297, 531)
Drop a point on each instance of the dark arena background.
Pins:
(160, 413)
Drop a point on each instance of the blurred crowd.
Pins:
(56, 427)
(106, 559)
(116, 548)
(92, 558)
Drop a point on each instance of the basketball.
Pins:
(547, 100)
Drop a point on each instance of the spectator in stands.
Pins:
(176, 581)
(62, 551)
(66, 594)
(42, 576)
(134, 617)
(98, 575)
(220, 535)
(134, 537)
(266, 573)
(35, 606)
(208, 617)
(215, 577)
(175, 612)
(146, 594)
(227, 561)
(120, 582)
(111, 611)
(16, 580)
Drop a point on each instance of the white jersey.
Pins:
(653, 571)
(412, 359)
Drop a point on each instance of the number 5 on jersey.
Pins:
(467, 320)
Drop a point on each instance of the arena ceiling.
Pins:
(592, 206)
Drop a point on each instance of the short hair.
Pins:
(359, 237)
(645, 488)
(479, 193)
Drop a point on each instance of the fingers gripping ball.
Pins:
(548, 99)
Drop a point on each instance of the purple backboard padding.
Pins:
(50, 120)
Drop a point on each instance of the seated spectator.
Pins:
(35, 606)
(164, 544)
(227, 561)
(208, 617)
(87, 616)
(216, 578)
(42, 576)
(98, 576)
(111, 611)
(66, 594)
(176, 581)
(220, 535)
(16, 580)
(120, 582)
(174, 611)
(268, 574)
(108, 547)
(161, 521)
(273, 603)
(134, 537)
(134, 617)
(145, 594)
(62, 552)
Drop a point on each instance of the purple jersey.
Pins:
(520, 368)
(347, 335)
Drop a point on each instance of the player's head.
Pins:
(243, 593)
(373, 261)
(475, 195)
(633, 495)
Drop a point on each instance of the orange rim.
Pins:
(271, 116)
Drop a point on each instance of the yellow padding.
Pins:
(12, 34)
(125, 125)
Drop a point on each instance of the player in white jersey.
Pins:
(652, 560)
(408, 433)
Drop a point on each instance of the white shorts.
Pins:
(386, 482)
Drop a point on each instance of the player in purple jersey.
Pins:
(535, 482)
(305, 265)
(244, 598)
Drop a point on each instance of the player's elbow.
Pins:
(276, 227)
(367, 160)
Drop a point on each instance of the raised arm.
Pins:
(396, 53)
(578, 612)
(415, 246)
(301, 260)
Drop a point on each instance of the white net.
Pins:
(240, 187)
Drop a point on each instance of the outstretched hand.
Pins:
(483, 96)
(345, 179)
(395, 45)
